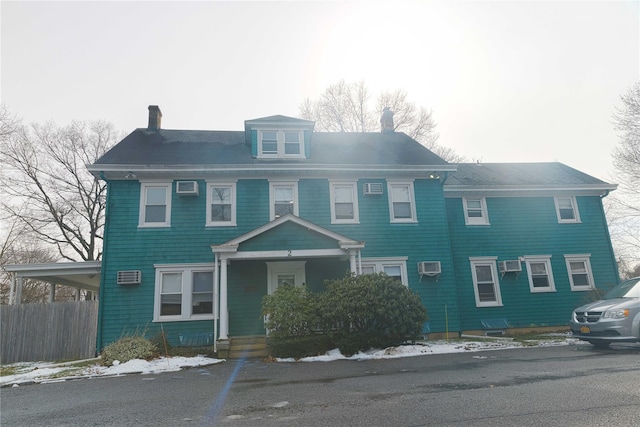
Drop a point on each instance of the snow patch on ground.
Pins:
(41, 372)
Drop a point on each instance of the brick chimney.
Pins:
(155, 117)
(386, 121)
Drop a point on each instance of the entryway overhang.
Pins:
(79, 275)
(228, 251)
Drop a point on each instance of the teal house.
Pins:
(201, 225)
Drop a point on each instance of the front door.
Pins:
(285, 272)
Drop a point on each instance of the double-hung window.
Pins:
(155, 205)
(184, 292)
(221, 207)
(539, 273)
(485, 282)
(402, 207)
(344, 203)
(579, 269)
(395, 267)
(283, 199)
(280, 143)
(567, 209)
(475, 211)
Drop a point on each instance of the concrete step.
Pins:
(248, 346)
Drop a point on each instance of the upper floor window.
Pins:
(402, 207)
(344, 202)
(396, 268)
(540, 274)
(184, 292)
(475, 211)
(567, 209)
(579, 269)
(283, 199)
(155, 205)
(221, 207)
(280, 143)
(485, 282)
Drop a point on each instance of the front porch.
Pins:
(286, 250)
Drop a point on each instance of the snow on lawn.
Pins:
(43, 372)
(437, 347)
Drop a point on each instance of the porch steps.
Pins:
(249, 346)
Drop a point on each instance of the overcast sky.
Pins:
(508, 81)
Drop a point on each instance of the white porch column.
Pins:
(352, 261)
(18, 295)
(12, 287)
(224, 313)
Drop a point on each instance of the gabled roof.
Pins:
(342, 242)
(279, 119)
(144, 151)
(521, 177)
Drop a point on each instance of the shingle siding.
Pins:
(522, 226)
(519, 224)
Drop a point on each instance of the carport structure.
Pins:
(79, 275)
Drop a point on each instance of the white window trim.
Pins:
(412, 201)
(280, 150)
(272, 198)
(483, 220)
(187, 271)
(586, 258)
(574, 205)
(546, 259)
(354, 192)
(210, 186)
(379, 264)
(490, 261)
(142, 209)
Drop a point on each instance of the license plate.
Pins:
(585, 330)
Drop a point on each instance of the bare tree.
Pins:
(625, 202)
(345, 107)
(46, 187)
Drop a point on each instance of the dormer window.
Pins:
(280, 143)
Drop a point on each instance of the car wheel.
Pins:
(600, 344)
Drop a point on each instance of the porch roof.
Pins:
(343, 242)
(80, 275)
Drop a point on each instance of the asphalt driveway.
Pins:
(552, 386)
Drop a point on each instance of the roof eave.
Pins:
(603, 189)
(158, 171)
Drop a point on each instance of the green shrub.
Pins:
(372, 310)
(299, 347)
(129, 348)
(355, 313)
(290, 312)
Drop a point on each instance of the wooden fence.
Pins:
(48, 332)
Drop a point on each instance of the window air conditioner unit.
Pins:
(372, 188)
(187, 188)
(129, 277)
(429, 268)
(510, 266)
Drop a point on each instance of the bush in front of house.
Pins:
(129, 348)
(290, 312)
(355, 313)
(299, 347)
(371, 311)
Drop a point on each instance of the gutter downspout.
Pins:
(606, 228)
(103, 273)
(216, 299)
